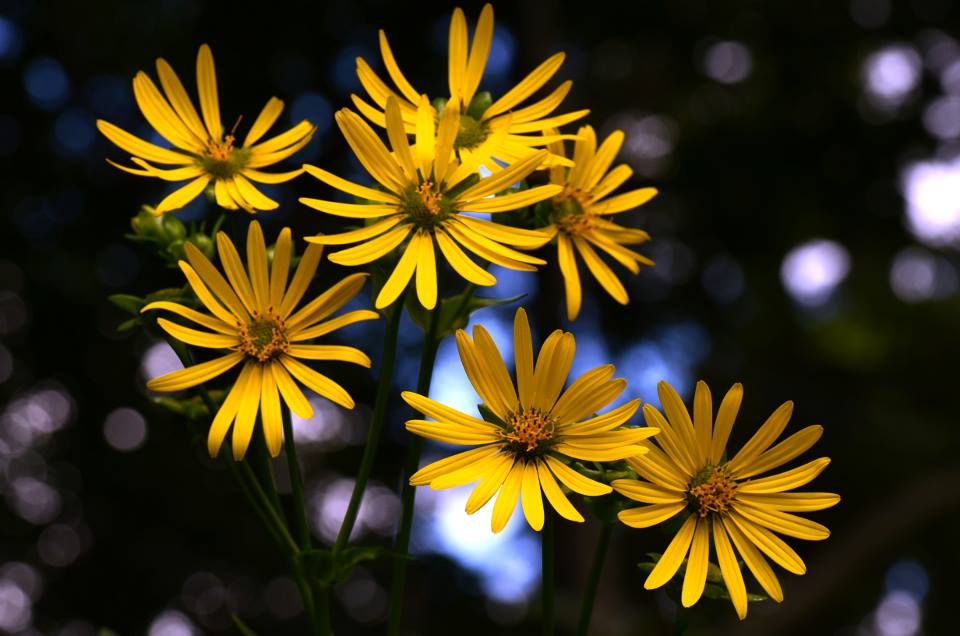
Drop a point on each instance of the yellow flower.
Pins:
(421, 200)
(721, 499)
(537, 428)
(201, 151)
(466, 65)
(253, 316)
(580, 216)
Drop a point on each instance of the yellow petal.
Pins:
(292, 395)
(788, 480)
(301, 279)
(136, 146)
(426, 136)
(479, 50)
(703, 420)
(227, 412)
(530, 496)
(198, 338)
(400, 277)
(601, 271)
(507, 499)
(341, 353)
(374, 248)
(270, 413)
(433, 470)
(695, 578)
(236, 274)
(317, 382)
(489, 485)
(460, 262)
(791, 501)
(191, 314)
(523, 353)
(398, 140)
(280, 267)
(426, 271)
(207, 87)
(771, 545)
(647, 493)
(730, 570)
(179, 99)
(247, 412)
(350, 187)
(575, 481)
(328, 302)
(755, 562)
(625, 201)
(457, 58)
(783, 452)
(197, 374)
(783, 522)
(726, 415)
(672, 557)
(762, 439)
(257, 265)
(509, 202)
(529, 85)
(267, 117)
(356, 236)
(394, 70)
(555, 494)
(182, 196)
(571, 276)
(333, 324)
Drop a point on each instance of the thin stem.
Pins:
(547, 569)
(590, 594)
(409, 492)
(264, 500)
(380, 403)
(296, 481)
(321, 612)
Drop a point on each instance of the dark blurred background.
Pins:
(805, 236)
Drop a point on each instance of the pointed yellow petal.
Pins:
(555, 495)
(247, 411)
(730, 570)
(207, 87)
(507, 499)
(672, 557)
(197, 374)
(227, 412)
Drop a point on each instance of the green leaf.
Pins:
(127, 325)
(321, 564)
(128, 303)
(479, 104)
(242, 627)
(454, 311)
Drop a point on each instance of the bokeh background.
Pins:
(805, 236)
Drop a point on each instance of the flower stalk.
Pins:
(590, 593)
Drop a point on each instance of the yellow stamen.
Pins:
(529, 427)
(264, 337)
(430, 199)
(712, 490)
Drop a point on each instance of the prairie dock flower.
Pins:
(203, 151)
(721, 500)
(537, 427)
(423, 195)
(580, 216)
(251, 315)
(479, 118)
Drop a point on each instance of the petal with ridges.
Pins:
(672, 557)
(197, 374)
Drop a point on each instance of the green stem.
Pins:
(590, 594)
(409, 492)
(547, 569)
(296, 482)
(380, 404)
(321, 611)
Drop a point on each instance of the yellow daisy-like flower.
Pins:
(580, 216)
(466, 65)
(539, 426)
(421, 200)
(253, 316)
(201, 151)
(721, 500)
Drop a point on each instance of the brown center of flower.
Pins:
(529, 428)
(264, 337)
(425, 206)
(570, 214)
(712, 490)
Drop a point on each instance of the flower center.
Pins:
(528, 429)
(221, 159)
(711, 491)
(472, 133)
(569, 211)
(424, 205)
(264, 337)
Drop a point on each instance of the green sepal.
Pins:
(454, 311)
(489, 416)
(479, 104)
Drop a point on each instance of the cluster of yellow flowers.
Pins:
(444, 161)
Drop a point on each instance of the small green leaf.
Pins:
(127, 325)
(128, 303)
(454, 311)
